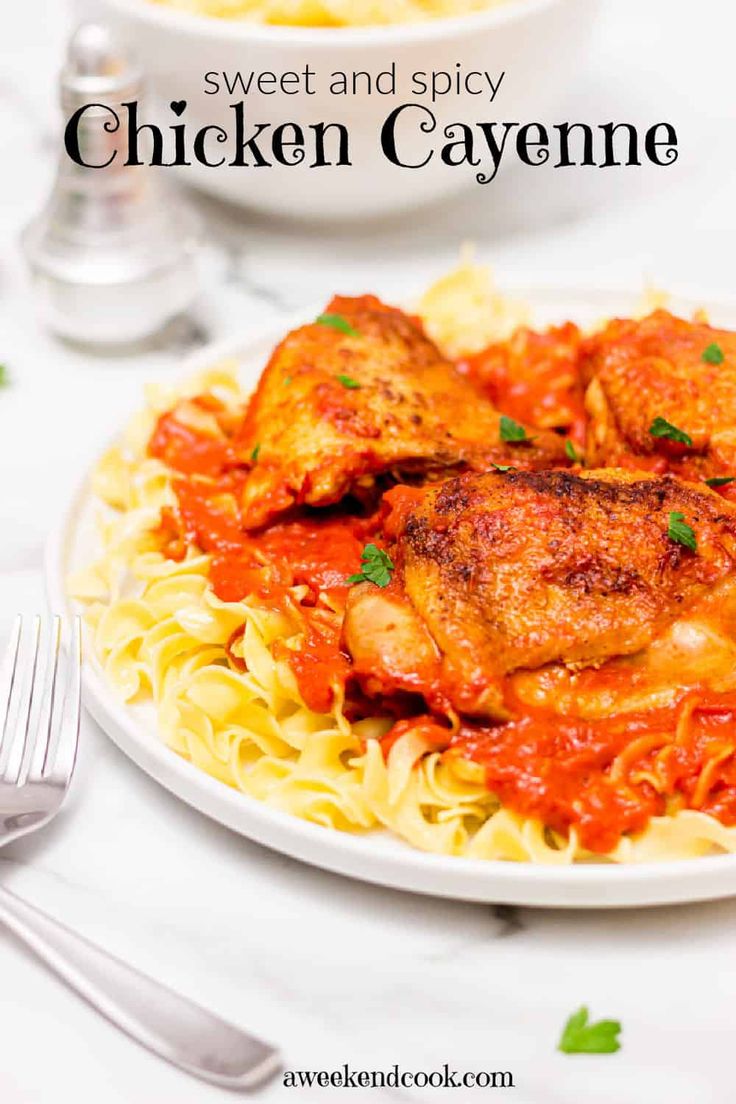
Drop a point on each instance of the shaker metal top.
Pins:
(96, 62)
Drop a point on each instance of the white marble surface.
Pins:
(333, 970)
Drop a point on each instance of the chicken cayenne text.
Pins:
(385, 589)
(480, 148)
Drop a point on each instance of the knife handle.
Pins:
(167, 1023)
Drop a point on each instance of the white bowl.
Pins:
(538, 43)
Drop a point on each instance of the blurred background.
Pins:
(645, 61)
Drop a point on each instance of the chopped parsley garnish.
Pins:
(349, 383)
(4, 377)
(255, 452)
(337, 322)
(678, 530)
(376, 567)
(720, 480)
(287, 381)
(660, 427)
(579, 1036)
(503, 467)
(713, 354)
(509, 430)
(572, 452)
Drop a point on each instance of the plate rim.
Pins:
(578, 886)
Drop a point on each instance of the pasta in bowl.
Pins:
(331, 13)
(385, 591)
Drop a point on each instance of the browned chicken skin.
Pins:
(333, 410)
(501, 571)
(662, 367)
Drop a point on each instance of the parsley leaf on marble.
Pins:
(579, 1036)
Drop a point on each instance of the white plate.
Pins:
(377, 857)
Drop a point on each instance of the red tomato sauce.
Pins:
(534, 377)
(185, 450)
(604, 777)
(558, 770)
(316, 551)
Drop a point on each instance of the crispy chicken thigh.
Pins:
(502, 571)
(668, 368)
(334, 409)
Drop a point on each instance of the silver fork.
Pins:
(39, 732)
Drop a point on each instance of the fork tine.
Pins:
(14, 748)
(64, 757)
(7, 679)
(37, 755)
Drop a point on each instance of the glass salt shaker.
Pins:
(113, 253)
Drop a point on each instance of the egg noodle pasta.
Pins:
(227, 700)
